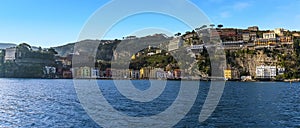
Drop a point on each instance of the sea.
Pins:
(28, 103)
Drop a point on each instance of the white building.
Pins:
(161, 74)
(95, 73)
(196, 48)
(280, 71)
(264, 72)
(157, 73)
(10, 54)
(233, 43)
(279, 31)
(269, 35)
(120, 73)
(246, 37)
(151, 54)
(49, 70)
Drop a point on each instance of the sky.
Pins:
(50, 23)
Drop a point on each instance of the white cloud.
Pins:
(241, 5)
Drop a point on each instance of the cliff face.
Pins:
(247, 60)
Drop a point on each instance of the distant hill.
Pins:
(69, 48)
(106, 47)
(65, 49)
(6, 45)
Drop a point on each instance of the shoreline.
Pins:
(202, 80)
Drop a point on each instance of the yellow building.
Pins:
(231, 74)
(265, 42)
(133, 57)
(228, 74)
(145, 72)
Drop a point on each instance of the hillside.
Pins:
(65, 49)
(106, 47)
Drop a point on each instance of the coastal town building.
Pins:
(108, 73)
(286, 42)
(265, 72)
(161, 74)
(280, 70)
(253, 28)
(228, 34)
(151, 54)
(95, 73)
(231, 74)
(286, 39)
(120, 73)
(195, 49)
(134, 74)
(83, 72)
(279, 31)
(10, 54)
(67, 74)
(233, 44)
(24, 55)
(170, 75)
(158, 51)
(177, 73)
(145, 72)
(269, 35)
(66, 61)
(265, 43)
(49, 72)
(155, 73)
(227, 74)
(253, 36)
(246, 37)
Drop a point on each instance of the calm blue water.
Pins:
(54, 103)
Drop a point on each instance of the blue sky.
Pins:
(49, 23)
